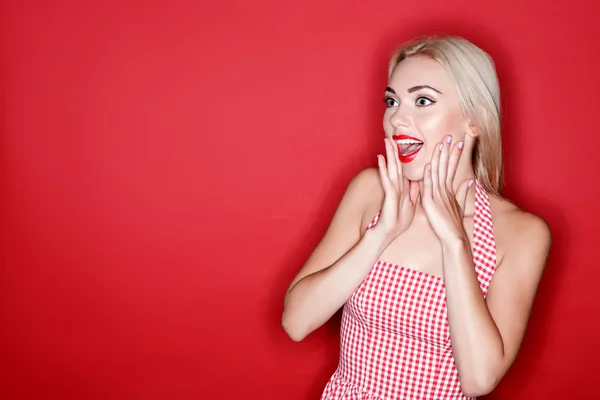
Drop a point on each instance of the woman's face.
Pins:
(422, 107)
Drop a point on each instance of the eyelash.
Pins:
(386, 100)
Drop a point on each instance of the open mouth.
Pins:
(408, 147)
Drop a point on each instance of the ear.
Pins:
(472, 130)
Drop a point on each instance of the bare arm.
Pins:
(339, 263)
(486, 335)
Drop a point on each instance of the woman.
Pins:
(435, 271)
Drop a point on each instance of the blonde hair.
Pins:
(474, 75)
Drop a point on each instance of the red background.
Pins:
(167, 167)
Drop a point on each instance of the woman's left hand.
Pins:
(443, 206)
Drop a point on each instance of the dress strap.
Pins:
(484, 244)
(374, 220)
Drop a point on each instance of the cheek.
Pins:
(387, 124)
(436, 124)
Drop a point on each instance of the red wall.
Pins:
(167, 167)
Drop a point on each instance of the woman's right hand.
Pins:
(400, 195)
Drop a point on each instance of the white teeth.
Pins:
(408, 141)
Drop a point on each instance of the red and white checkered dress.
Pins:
(395, 341)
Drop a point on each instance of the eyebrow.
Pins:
(414, 89)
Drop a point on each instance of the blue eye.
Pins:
(424, 102)
(389, 102)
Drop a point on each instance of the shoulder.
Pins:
(520, 234)
(367, 177)
(366, 185)
(365, 192)
(519, 227)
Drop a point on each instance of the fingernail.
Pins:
(471, 182)
(428, 167)
(441, 146)
(460, 145)
(449, 140)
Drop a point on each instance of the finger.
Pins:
(391, 161)
(383, 174)
(461, 194)
(443, 168)
(427, 189)
(401, 180)
(435, 162)
(406, 184)
(453, 164)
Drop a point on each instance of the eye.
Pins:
(389, 102)
(424, 101)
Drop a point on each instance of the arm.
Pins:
(486, 335)
(339, 263)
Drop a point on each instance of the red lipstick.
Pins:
(408, 147)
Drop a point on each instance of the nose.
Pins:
(400, 118)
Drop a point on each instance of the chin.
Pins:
(413, 172)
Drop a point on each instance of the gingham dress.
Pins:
(395, 341)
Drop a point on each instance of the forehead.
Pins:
(418, 70)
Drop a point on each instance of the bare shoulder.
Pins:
(369, 193)
(519, 234)
(367, 184)
(344, 230)
(368, 178)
